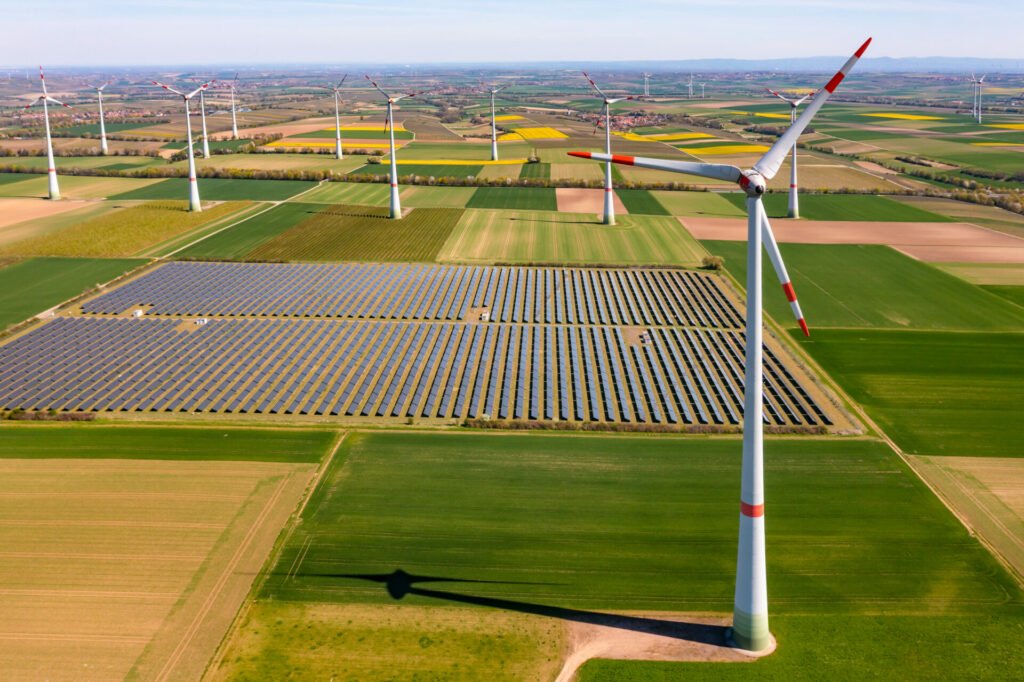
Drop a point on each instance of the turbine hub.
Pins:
(752, 183)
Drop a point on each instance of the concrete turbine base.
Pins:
(768, 650)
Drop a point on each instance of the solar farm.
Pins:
(374, 380)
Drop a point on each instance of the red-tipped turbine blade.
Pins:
(775, 256)
(770, 163)
(717, 171)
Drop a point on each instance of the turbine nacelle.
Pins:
(753, 183)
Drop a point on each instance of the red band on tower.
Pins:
(752, 510)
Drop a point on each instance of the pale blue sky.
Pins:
(103, 32)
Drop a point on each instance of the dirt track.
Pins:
(938, 242)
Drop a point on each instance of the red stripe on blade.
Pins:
(787, 288)
(619, 158)
(751, 510)
(834, 83)
(803, 327)
(582, 155)
(863, 48)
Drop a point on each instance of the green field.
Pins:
(1013, 294)
(219, 189)
(94, 128)
(859, 207)
(360, 193)
(242, 238)
(710, 204)
(77, 186)
(436, 197)
(60, 441)
(8, 178)
(31, 286)
(550, 237)
(522, 198)
(129, 231)
(641, 201)
(361, 233)
(427, 170)
(536, 171)
(847, 285)
(934, 393)
(497, 518)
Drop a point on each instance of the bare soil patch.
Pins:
(580, 200)
(14, 211)
(875, 168)
(117, 568)
(938, 242)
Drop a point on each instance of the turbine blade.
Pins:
(199, 89)
(775, 256)
(374, 84)
(770, 163)
(779, 95)
(342, 80)
(34, 102)
(55, 101)
(717, 171)
(168, 87)
(594, 85)
(42, 78)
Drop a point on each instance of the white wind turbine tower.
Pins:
(51, 169)
(193, 185)
(978, 86)
(750, 615)
(689, 87)
(336, 89)
(202, 113)
(103, 126)
(494, 125)
(389, 123)
(234, 117)
(609, 203)
(647, 84)
(794, 201)
(702, 90)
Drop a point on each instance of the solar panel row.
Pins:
(426, 292)
(358, 367)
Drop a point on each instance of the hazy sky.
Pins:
(101, 32)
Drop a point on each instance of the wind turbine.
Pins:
(389, 123)
(647, 84)
(193, 186)
(794, 201)
(103, 126)
(702, 90)
(979, 85)
(750, 614)
(51, 169)
(234, 118)
(689, 87)
(494, 126)
(337, 114)
(609, 204)
(202, 113)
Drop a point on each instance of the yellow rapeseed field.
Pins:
(675, 137)
(507, 117)
(1006, 126)
(540, 133)
(997, 144)
(905, 117)
(510, 137)
(309, 143)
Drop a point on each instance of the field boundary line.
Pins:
(275, 554)
(273, 205)
(229, 570)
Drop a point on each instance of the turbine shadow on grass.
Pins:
(399, 584)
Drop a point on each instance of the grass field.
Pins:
(521, 198)
(235, 242)
(1013, 294)
(845, 285)
(379, 134)
(219, 189)
(79, 186)
(641, 201)
(357, 233)
(436, 197)
(125, 232)
(549, 237)
(31, 286)
(360, 193)
(538, 171)
(934, 393)
(426, 170)
(698, 204)
(496, 518)
(132, 548)
(859, 207)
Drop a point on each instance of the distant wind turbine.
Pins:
(336, 89)
(234, 117)
(794, 202)
(689, 87)
(609, 203)
(193, 185)
(647, 84)
(389, 124)
(494, 125)
(702, 90)
(103, 126)
(202, 113)
(51, 169)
